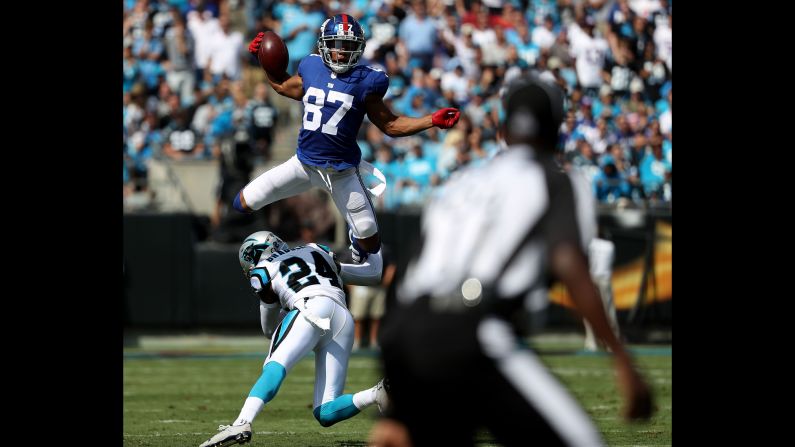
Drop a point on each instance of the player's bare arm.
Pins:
(292, 87)
(401, 126)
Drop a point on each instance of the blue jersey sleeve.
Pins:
(379, 84)
(302, 66)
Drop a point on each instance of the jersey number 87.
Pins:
(314, 107)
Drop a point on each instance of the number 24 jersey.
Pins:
(300, 272)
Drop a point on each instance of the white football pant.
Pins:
(293, 177)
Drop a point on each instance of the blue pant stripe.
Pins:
(284, 329)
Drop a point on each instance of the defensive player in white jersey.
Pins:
(306, 281)
(336, 93)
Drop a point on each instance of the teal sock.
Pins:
(269, 382)
(337, 410)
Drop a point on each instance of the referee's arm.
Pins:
(568, 263)
(570, 267)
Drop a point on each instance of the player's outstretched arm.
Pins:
(401, 126)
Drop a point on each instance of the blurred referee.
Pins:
(451, 348)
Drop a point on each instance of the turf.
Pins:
(179, 399)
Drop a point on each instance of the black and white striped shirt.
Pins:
(490, 229)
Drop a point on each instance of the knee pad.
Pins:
(366, 227)
(362, 216)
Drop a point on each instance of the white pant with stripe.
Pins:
(293, 177)
(295, 337)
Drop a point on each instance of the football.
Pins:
(272, 54)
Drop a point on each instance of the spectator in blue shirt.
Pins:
(419, 34)
(416, 178)
(131, 69)
(609, 183)
(655, 171)
(299, 29)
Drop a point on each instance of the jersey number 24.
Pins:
(303, 276)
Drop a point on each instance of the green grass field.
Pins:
(180, 401)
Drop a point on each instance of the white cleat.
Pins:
(229, 435)
(381, 396)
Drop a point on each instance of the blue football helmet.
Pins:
(257, 246)
(341, 33)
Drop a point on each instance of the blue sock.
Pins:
(236, 204)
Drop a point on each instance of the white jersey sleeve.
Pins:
(269, 317)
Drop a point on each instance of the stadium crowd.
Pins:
(191, 90)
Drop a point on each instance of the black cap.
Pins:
(533, 109)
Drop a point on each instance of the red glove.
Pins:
(253, 47)
(445, 118)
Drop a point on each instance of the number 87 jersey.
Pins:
(334, 107)
(300, 272)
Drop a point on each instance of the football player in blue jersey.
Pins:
(336, 92)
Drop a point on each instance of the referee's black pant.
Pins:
(453, 373)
